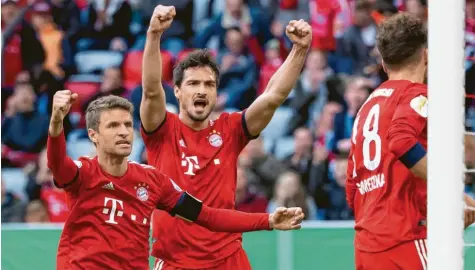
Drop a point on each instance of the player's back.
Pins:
(388, 200)
(203, 163)
(109, 223)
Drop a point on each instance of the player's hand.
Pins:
(286, 218)
(161, 19)
(300, 33)
(62, 102)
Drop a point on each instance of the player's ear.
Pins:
(177, 92)
(384, 66)
(92, 135)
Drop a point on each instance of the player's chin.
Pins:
(123, 150)
(199, 114)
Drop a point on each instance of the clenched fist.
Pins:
(62, 102)
(161, 19)
(300, 33)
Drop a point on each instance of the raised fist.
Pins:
(162, 18)
(300, 33)
(62, 102)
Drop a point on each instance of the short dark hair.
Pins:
(400, 38)
(96, 107)
(197, 58)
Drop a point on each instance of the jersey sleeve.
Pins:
(67, 173)
(154, 139)
(238, 126)
(169, 193)
(408, 122)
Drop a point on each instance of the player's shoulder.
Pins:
(227, 118)
(85, 162)
(141, 167)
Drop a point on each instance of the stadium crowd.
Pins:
(94, 48)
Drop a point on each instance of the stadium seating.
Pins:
(96, 61)
(284, 147)
(15, 181)
(278, 126)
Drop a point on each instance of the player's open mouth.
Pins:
(200, 103)
(123, 143)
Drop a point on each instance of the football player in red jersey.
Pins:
(387, 166)
(201, 154)
(112, 199)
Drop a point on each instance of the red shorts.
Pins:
(410, 255)
(238, 260)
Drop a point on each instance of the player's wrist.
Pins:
(271, 221)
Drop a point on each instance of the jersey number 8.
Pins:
(370, 135)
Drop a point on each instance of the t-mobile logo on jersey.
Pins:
(112, 211)
(190, 162)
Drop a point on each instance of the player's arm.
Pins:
(185, 206)
(63, 167)
(409, 121)
(224, 220)
(259, 114)
(153, 105)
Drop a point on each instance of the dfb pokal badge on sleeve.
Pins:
(214, 138)
(142, 191)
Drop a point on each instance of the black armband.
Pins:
(187, 207)
(413, 155)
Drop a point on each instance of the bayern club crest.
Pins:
(142, 191)
(214, 138)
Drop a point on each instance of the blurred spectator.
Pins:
(288, 10)
(360, 38)
(246, 199)
(111, 85)
(36, 212)
(324, 126)
(301, 160)
(272, 62)
(58, 52)
(12, 207)
(318, 175)
(24, 130)
(66, 16)
(107, 26)
(239, 73)
(236, 15)
(264, 168)
(289, 192)
(178, 36)
(20, 47)
(41, 187)
(417, 8)
(310, 93)
(339, 209)
(383, 9)
(355, 95)
(323, 18)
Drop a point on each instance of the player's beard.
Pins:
(197, 117)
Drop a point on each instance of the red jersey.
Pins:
(204, 163)
(56, 202)
(388, 200)
(109, 223)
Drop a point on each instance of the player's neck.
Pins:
(195, 125)
(113, 165)
(408, 75)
